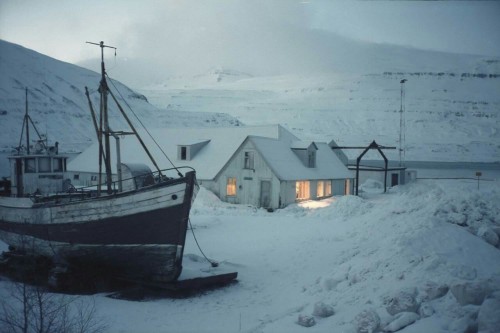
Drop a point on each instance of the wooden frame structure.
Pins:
(372, 145)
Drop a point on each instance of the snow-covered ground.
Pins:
(415, 249)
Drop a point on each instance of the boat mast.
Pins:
(103, 90)
(26, 118)
(26, 121)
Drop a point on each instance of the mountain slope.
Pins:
(58, 105)
(452, 108)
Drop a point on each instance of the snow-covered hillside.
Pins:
(58, 105)
(452, 109)
(452, 102)
(338, 88)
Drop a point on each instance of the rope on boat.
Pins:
(213, 263)
(144, 127)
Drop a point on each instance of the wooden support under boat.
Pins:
(23, 267)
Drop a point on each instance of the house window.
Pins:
(311, 159)
(320, 189)
(183, 153)
(324, 188)
(231, 186)
(29, 165)
(302, 190)
(248, 160)
(347, 187)
(328, 188)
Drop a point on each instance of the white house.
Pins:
(263, 166)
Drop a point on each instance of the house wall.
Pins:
(287, 192)
(248, 181)
(338, 187)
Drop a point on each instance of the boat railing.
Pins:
(74, 193)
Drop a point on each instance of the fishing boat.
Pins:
(136, 231)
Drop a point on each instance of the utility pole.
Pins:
(402, 125)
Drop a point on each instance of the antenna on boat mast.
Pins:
(103, 90)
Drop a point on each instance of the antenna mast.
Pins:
(103, 90)
(402, 125)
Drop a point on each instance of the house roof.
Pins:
(287, 166)
(272, 141)
(224, 141)
(299, 144)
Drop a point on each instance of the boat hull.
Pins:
(138, 234)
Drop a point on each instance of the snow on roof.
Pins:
(191, 142)
(224, 141)
(299, 144)
(287, 166)
(272, 141)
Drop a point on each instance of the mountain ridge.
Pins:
(58, 105)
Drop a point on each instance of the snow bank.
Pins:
(394, 261)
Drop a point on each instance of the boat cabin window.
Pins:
(30, 165)
(44, 164)
(58, 165)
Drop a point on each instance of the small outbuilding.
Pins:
(262, 166)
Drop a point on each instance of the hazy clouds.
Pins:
(188, 37)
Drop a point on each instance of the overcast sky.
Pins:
(189, 34)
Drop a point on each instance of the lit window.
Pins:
(248, 160)
(320, 190)
(231, 186)
(328, 188)
(302, 190)
(347, 186)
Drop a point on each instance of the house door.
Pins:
(394, 179)
(265, 193)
